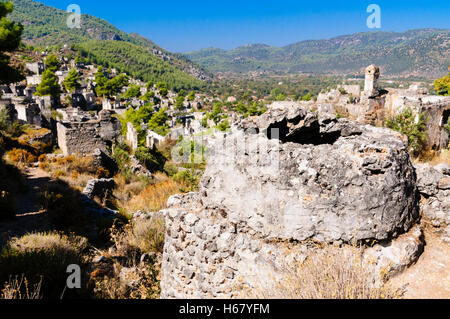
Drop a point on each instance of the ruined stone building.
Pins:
(84, 137)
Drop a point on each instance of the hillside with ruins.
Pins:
(153, 182)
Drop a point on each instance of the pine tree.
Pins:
(10, 33)
(52, 63)
(72, 81)
(49, 85)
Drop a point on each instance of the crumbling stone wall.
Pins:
(85, 137)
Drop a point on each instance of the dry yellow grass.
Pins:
(152, 198)
(52, 241)
(76, 170)
(329, 272)
(142, 235)
(434, 158)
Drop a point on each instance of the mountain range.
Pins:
(414, 53)
(418, 53)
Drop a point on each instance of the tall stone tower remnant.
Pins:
(371, 83)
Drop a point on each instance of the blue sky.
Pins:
(182, 26)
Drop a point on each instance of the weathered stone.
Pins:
(98, 187)
(101, 159)
(323, 179)
(392, 258)
(434, 188)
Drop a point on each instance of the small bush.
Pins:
(42, 257)
(151, 159)
(187, 178)
(141, 235)
(21, 156)
(170, 169)
(406, 123)
(121, 153)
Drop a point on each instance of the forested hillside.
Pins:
(136, 61)
(420, 53)
(47, 27)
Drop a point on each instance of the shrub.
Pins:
(42, 256)
(152, 159)
(223, 126)
(187, 178)
(19, 289)
(406, 123)
(170, 169)
(21, 156)
(121, 154)
(142, 235)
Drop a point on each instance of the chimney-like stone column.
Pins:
(371, 83)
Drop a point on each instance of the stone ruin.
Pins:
(374, 105)
(371, 81)
(85, 137)
(290, 177)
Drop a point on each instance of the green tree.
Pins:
(163, 92)
(442, 85)
(147, 96)
(415, 129)
(179, 102)
(49, 85)
(10, 34)
(52, 63)
(158, 122)
(133, 92)
(191, 96)
(307, 97)
(216, 114)
(223, 126)
(110, 87)
(72, 81)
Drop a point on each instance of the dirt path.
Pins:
(429, 278)
(29, 217)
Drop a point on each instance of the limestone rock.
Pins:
(323, 179)
(101, 159)
(98, 187)
(392, 258)
(434, 186)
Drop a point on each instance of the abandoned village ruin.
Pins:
(334, 180)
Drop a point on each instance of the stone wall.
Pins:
(85, 137)
(263, 196)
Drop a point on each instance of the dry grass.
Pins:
(19, 288)
(42, 258)
(329, 272)
(124, 276)
(54, 241)
(137, 196)
(434, 158)
(141, 235)
(75, 170)
(21, 157)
